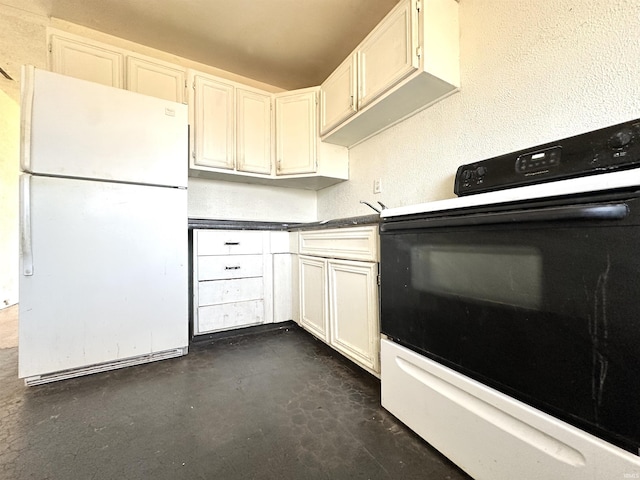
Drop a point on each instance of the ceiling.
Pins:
(286, 43)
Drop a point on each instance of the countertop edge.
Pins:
(213, 224)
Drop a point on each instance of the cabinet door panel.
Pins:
(387, 55)
(337, 96)
(313, 296)
(213, 318)
(155, 79)
(253, 147)
(86, 61)
(296, 133)
(353, 311)
(214, 126)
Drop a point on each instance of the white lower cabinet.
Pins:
(313, 296)
(353, 310)
(338, 291)
(233, 279)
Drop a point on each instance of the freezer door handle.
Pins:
(27, 92)
(25, 225)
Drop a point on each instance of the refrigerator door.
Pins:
(104, 273)
(75, 128)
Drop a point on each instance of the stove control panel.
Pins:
(590, 153)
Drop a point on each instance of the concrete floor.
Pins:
(9, 327)
(274, 405)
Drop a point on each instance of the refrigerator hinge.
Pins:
(418, 4)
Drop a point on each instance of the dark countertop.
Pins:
(206, 223)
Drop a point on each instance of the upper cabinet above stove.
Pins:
(407, 63)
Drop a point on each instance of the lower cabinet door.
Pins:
(353, 311)
(214, 318)
(313, 296)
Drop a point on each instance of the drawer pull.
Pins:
(236, 267)
(232, 243)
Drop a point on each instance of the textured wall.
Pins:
(532, 71)
(240, 201)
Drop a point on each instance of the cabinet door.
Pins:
(353, 311)
(253, 131)
(155, 79)
(337, 95)
(388, 54)
(296, 132)
(214, 125)
(86, 61)
(313, 296)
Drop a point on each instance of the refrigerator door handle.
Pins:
(26, 109)
(25, 221)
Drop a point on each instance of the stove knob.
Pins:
(466, 174)
(481, 171)
(620, 139)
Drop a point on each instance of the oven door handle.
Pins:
(608, 211)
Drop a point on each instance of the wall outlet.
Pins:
(377, 185)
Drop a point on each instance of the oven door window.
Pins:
(546, 313)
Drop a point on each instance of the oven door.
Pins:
(541, 302)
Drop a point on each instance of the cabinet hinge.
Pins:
(418, 5)
(419, 51)
(194, 85)
(50, 48)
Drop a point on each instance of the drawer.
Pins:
(228, 291)
(229, 242)
(230, 266)
(226, 316)
(357, 243)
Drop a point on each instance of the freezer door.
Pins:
(75, 128)
(104, 273)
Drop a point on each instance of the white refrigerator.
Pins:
(104, 254)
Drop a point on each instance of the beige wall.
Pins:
(9, 151)
(532, 71)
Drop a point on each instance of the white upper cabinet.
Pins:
(407, 63)
(86, 60)
(231, 127)
(253, 133)
(155, 78)
(388, 54)
(302, 159)
(338, 98)
(213, 123)
(296, 132)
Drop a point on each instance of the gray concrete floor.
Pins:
(274, 405)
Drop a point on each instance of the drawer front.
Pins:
(229, 291)
(231, 266)
(227, 316)
(229, 242)
(357, 243)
